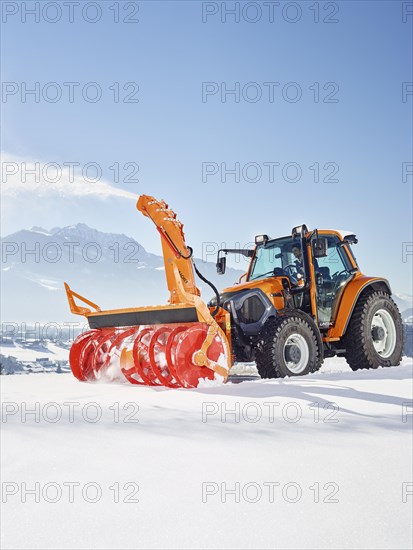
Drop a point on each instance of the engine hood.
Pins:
(269, 286)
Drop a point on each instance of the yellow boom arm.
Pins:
(175, 251)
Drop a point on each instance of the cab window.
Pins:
(332, 274)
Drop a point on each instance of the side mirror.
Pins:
(348, 239)
(352, 239)
(221, 265)
(320, 247)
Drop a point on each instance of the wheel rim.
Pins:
(296, 353)
(383, 332)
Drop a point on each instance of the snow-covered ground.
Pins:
(322, 461)
(50, 351)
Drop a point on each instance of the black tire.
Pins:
(270, 353)
(360, 338)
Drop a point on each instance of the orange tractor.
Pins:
(303, 299)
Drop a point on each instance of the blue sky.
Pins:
(171, 131)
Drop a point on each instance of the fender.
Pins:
(349, 300)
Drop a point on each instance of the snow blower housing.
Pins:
(303, 299)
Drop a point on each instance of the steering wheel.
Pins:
(338, 274)
(338, 278)
(290, 268)
(291, 271)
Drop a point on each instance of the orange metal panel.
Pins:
(348, 301)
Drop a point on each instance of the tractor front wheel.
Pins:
(289, 345)
(374, 336)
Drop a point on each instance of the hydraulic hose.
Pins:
(212, 286)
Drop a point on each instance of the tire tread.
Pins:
(269, 341)
(359, 354)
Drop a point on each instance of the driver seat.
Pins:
(325, 272)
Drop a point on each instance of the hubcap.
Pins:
(383, 332)
(296, 353)
(378, 333)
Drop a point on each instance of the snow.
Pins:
(40, 231)
(52, 351)
(46, 283)
(345, 434)
(406, 297)
(64, 186)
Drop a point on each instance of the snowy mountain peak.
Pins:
(37, 229)
(77, 232)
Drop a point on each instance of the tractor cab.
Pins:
(312, 268)
(334, 266)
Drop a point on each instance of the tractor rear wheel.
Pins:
(374, 336)
(289, 345)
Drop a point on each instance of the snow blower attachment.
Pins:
(176, 345)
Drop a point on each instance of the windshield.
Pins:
(272, 259)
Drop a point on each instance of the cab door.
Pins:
(332, 273)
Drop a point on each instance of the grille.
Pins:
(251, 310)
